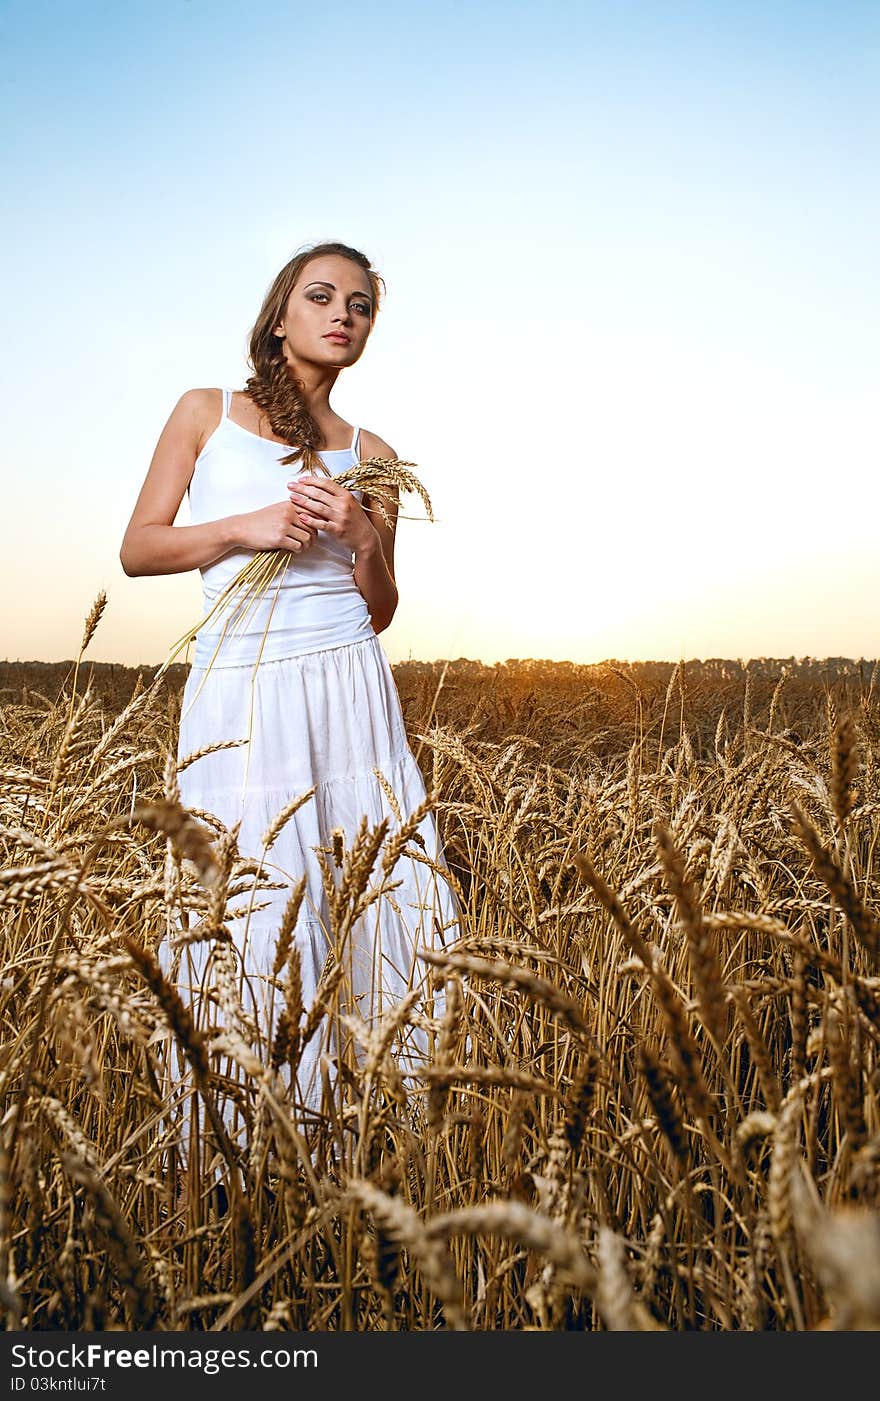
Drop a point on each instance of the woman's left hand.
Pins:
(328, 506)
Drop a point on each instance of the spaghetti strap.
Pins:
(227, 401)
(354, 439)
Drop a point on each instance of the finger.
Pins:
(311, 485)
(301, 510)
(304, 503)
(309, 497)
(306, 483)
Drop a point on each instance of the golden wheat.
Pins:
(649, 1099)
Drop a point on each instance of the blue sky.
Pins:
(630, 336)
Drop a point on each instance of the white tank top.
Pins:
(317, 603)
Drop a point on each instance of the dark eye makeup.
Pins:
(362, 306)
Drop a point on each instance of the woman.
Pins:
(303, 678)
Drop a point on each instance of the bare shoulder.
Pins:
(371, 445)
(199, 411)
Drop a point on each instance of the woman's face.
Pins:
(332, 296)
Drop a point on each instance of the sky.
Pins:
(630, 337)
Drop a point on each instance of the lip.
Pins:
(338, 336)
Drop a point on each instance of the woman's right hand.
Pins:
(275, 527)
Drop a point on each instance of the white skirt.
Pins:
(325, 720)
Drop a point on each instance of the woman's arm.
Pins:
(373, 578)
(153, 544)
(374, 562)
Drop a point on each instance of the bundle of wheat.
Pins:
(374, 475)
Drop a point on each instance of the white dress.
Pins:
(312, 691)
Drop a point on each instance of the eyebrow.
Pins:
(333, 289)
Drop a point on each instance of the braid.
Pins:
(280, 395)
(272, 386)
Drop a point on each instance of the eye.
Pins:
(362, 307)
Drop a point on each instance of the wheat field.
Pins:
(651, 1098)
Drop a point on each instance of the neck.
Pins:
(317, 383)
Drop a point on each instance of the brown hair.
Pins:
(272, 387)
